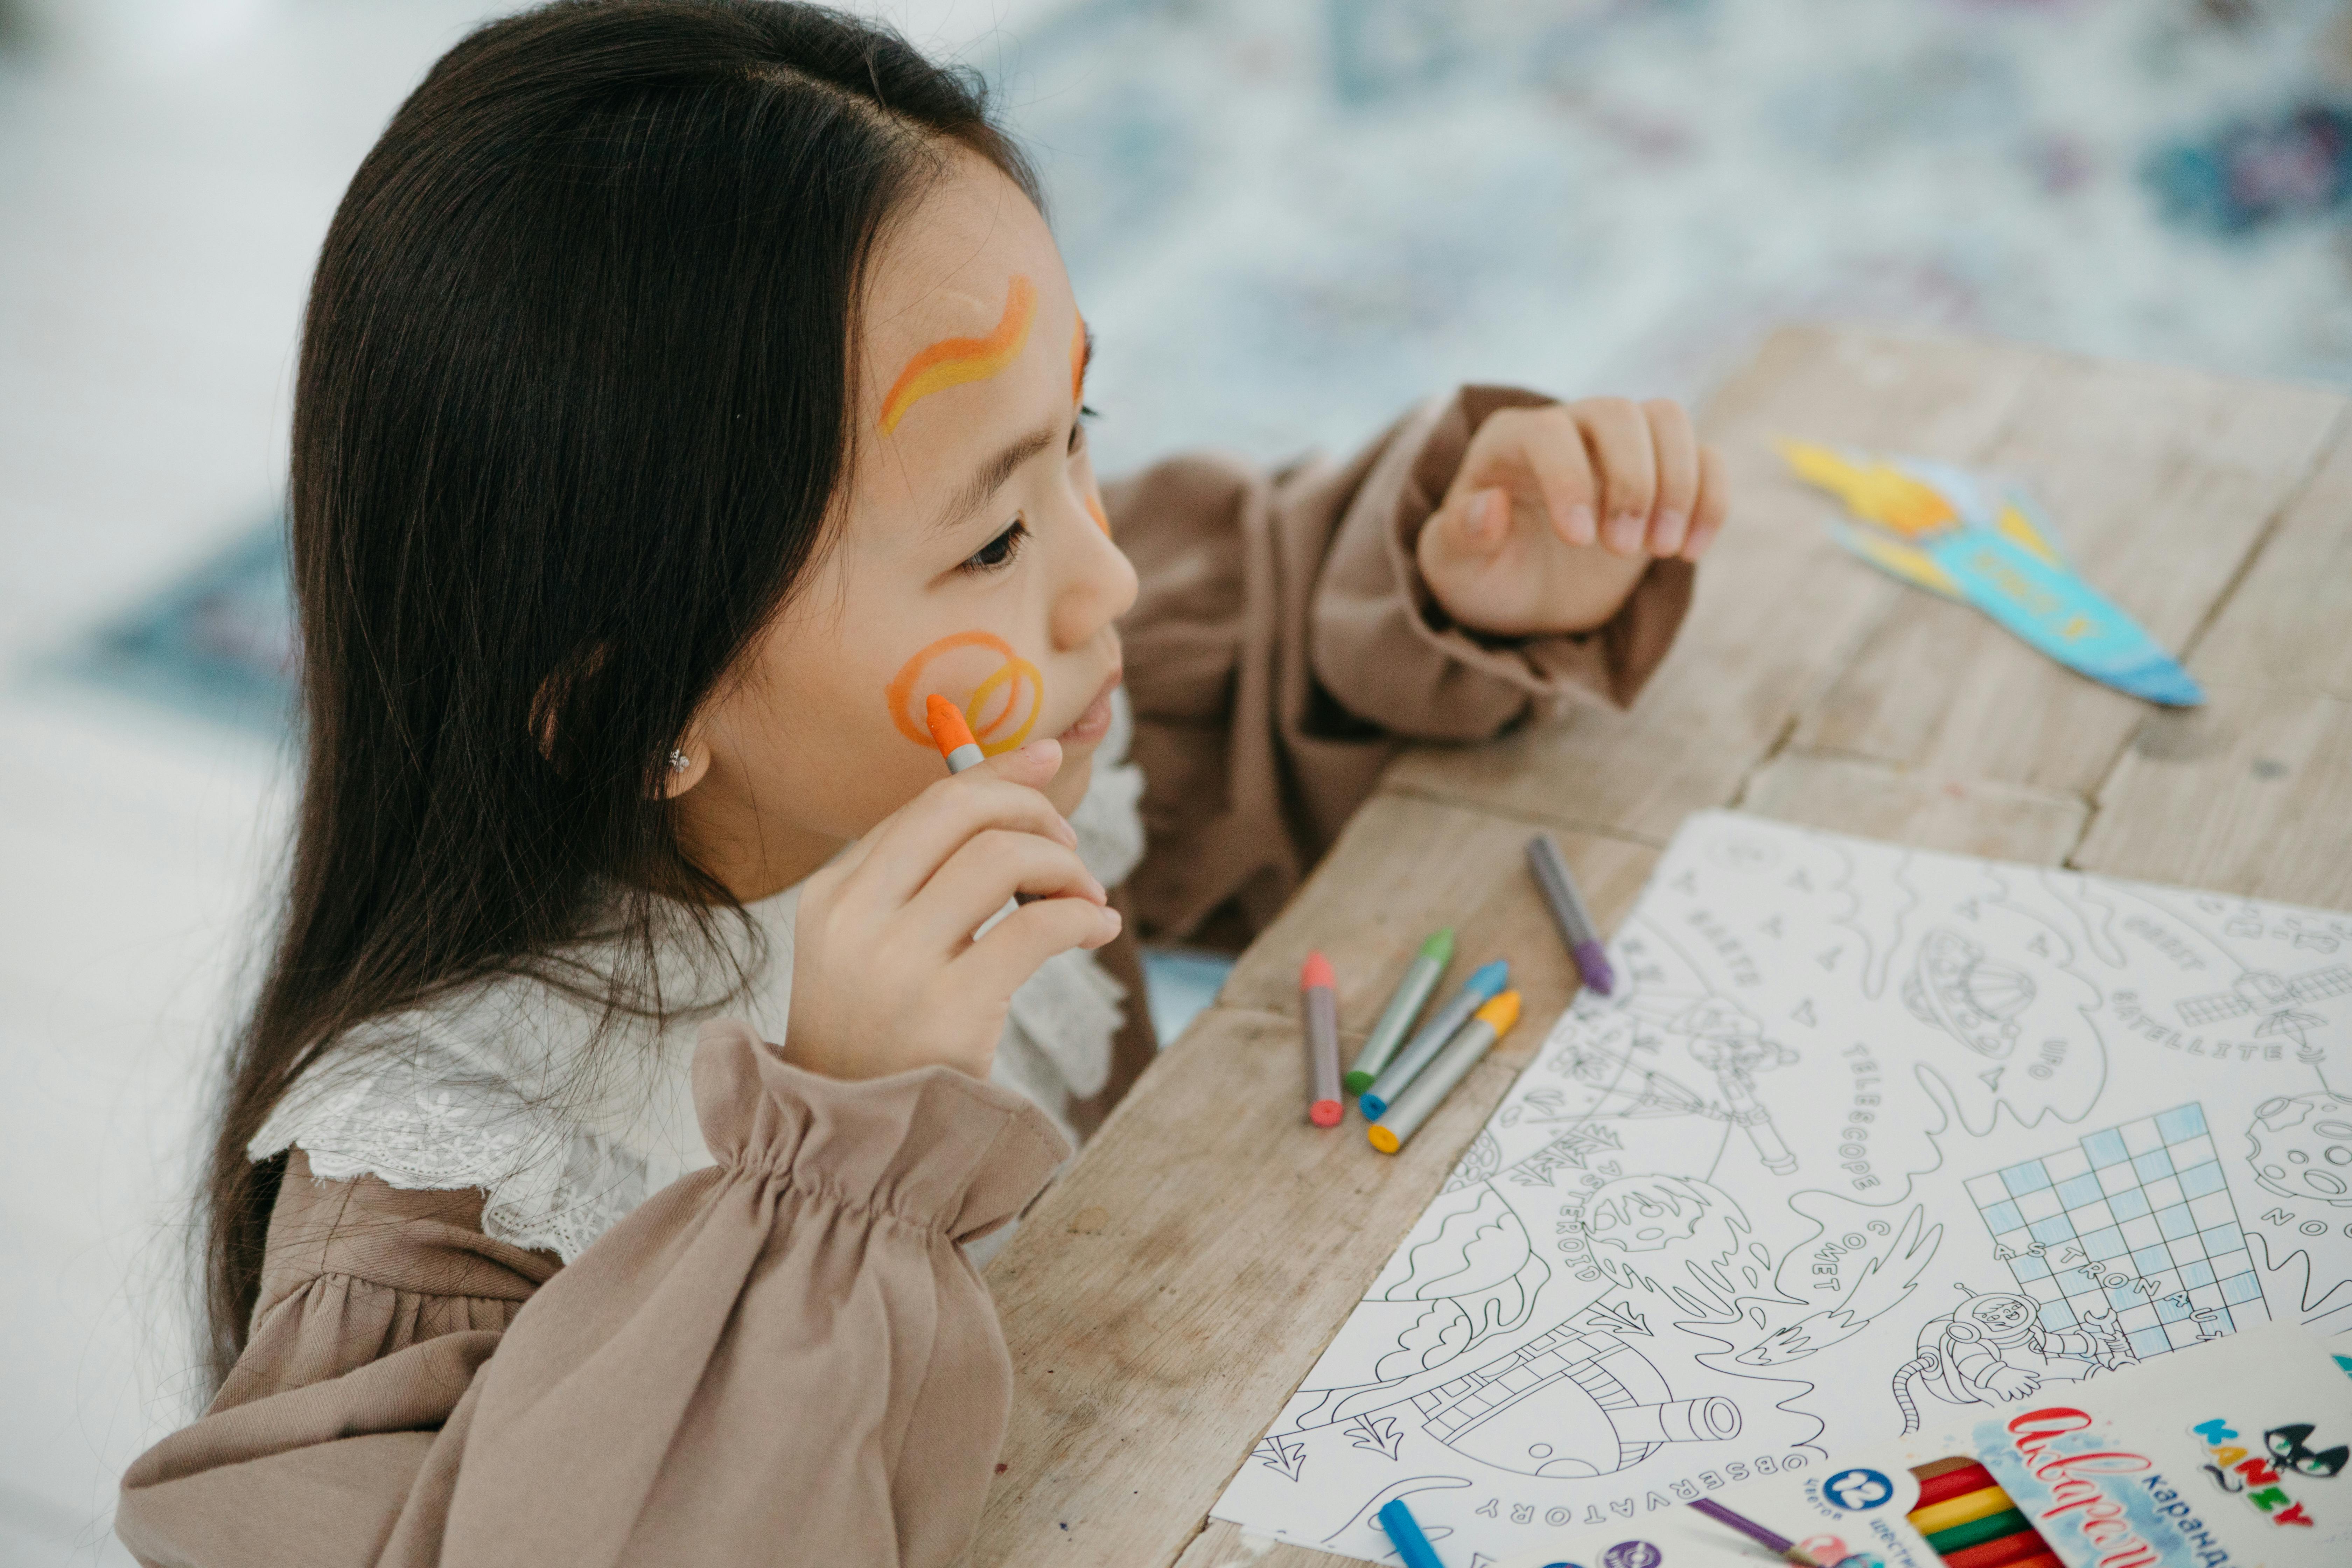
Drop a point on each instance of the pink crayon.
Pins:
(1319, 988)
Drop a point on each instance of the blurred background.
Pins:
(1285, 218)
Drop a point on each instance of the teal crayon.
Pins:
(1483, 986)
(1405, 1003)
(1424, 1094)
(1404, 1533)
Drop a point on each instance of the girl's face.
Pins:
(968, 558)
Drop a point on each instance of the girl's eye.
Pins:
(1079, 426)
(998, 551)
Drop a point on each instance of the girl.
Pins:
(691, 390)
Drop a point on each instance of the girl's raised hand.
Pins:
(1555, 513)
(886, 975)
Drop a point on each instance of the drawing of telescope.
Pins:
(1573, 1402)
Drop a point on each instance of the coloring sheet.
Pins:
(1867, 1135)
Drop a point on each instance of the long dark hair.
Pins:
(574, 397)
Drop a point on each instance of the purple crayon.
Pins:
(1568, 913)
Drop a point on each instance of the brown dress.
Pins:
(787, 1357)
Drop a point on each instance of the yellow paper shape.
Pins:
(1878, 494)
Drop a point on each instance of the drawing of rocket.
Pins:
(1940, 528)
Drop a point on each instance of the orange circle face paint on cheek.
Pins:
(1001, 693)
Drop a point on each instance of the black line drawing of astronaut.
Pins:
(2260, 991)
(1993, 1349)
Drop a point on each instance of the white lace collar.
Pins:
(492, 1087)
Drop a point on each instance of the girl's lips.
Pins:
(1094, 723)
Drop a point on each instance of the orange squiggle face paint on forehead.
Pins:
(951, 362)
(999, 691)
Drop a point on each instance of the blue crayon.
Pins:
(1483, 986)
(1405, 1534)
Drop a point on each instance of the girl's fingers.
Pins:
(1675, 446)
(1546, 444)
(906, 853)
(1475, 524)
(989, 869)
(1619, 437)
(1016, 945)
(1714, 504)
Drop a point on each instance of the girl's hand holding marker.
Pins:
(887, 974)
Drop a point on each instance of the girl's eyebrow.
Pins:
(990, 475)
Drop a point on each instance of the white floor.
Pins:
(160, 208)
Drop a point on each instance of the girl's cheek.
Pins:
(1001, 693)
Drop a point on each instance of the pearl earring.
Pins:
(679, 762)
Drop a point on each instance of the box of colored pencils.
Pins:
(2230, 1454)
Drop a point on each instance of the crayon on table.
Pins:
(1319, 989)
(1405, 1534)
(1484, 985)
(952, 736)
(1405, 1003)
(1568, 913)
(1469, 1046)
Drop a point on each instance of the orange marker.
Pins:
(950, 733)
(1319, 989)
(952, 736)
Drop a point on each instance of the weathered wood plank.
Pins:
(1849, 794)
(2251, 795)
(2161, 483)
(1406, 866)
(1163, 1300)
(1225, 1545)
(1778, 606)
(2288, 626)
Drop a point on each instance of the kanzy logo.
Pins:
(1858, 1489)
(2290, 1446)
(2254, 1478)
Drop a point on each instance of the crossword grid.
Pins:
(2136, 1222)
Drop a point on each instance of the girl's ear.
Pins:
(688, 763)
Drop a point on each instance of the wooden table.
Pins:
(1166, 1297)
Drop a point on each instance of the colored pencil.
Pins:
(1771, 1539)
(1965, 1477)
(1568, 912)
(1966, 1509)
(1992, 1527)
(1319, 990)
(1405, 1003)
(1484, 985)
(1470, 1043)
(2007, 1551)
(1405, 1534)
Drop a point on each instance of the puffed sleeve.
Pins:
(785, 1354)
(1283, 646)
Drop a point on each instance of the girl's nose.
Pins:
(1098, 588)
